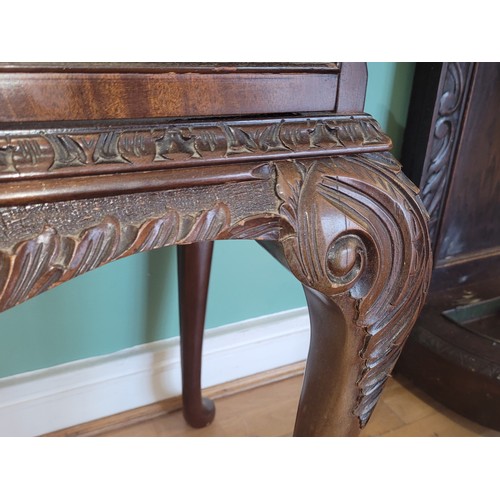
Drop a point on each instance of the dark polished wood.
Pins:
(453, 363)
(351, 91)
(469, 224)
(357, 240)
(98, 163)
(79, 150)
(31, 93)
(194, 262)
(452, 150)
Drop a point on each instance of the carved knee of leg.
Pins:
(356, 231)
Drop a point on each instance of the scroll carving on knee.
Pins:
(356, 232)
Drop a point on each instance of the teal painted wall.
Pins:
(134, 301)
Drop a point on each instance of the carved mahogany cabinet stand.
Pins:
(98, 162)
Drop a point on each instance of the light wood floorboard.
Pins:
(269, 410)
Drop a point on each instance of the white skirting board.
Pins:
(54, 398)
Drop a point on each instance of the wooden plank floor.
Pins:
(269, 410)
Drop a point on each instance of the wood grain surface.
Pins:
(29, 97)
(269, 410)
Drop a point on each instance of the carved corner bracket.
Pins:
(356, 233)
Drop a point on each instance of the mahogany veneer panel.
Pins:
(51, 96)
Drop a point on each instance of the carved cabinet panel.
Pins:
(452, 150)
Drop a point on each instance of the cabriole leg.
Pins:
(355, 235)
(194, 263)
(329, 392)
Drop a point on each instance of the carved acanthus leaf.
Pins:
(48, 259)
(288, 187)
(359, 237)
(437, 168)
(115, 148)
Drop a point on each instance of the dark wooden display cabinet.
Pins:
(452, 150)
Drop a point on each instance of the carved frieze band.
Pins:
(44, 245)
(450, 105)
(357, 233)
(80, 151)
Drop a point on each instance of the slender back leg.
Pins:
(194, 263)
